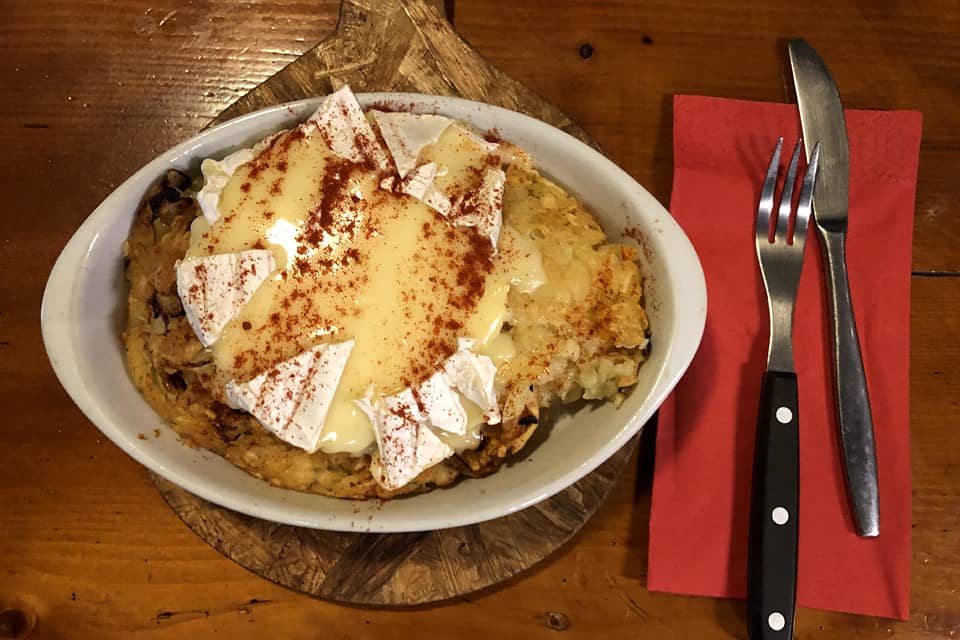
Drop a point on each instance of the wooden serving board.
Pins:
(398, 45)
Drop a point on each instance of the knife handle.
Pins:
(774, 510)
(852, 401)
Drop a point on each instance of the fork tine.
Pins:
(765, 207)
(804, 205)
(786, 198)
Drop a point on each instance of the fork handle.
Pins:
(853, 404)
(774, 511)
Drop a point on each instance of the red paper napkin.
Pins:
(701, 494)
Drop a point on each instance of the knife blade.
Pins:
(822, 119)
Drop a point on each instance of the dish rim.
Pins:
(65, 275)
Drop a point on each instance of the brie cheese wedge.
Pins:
(214, 288)
(419, 184)
(407, 134)
(443, 409)
(292, 399)
(407, 446)
(473, 375)
(345, 130)
(483, 209)
(406, 424)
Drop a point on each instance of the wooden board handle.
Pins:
(398, 45)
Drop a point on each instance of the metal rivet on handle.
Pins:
(784, 415)
(780, 515)
(776, 621)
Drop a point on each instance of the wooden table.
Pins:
(92, 90)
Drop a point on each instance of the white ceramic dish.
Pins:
(84, 302)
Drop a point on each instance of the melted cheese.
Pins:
(384, 275)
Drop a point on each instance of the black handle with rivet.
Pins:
(774, 506)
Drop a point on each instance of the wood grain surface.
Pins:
(399, 569)
(398, 45)
(91, 90)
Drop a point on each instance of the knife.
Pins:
(822, 119)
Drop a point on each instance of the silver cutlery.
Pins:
(775, 500)
(821, 116)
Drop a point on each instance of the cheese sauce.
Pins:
(355, 261)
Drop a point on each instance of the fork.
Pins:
(774, 522)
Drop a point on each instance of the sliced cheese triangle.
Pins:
(407, 446)
(214, 288)
(408, 425)
(340, 122)
(484, 208)
(407, 134)
(292, 399)
(442, 405)
(473, 375)
(419, 184)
